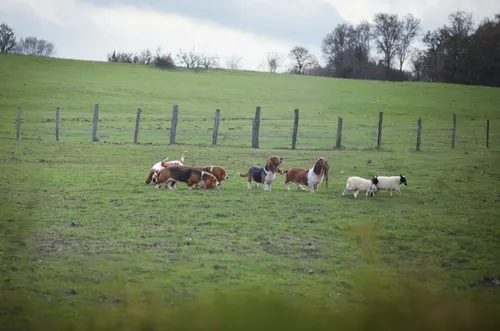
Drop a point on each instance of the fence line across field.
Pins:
(256, 121)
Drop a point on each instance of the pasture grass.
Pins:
(38, 85)
(86, 245)
(86, 241)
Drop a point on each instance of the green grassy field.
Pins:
(86, 245)
(40, 85)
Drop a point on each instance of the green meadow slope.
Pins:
(38, 85)
(86, 245)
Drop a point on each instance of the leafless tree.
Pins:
(145, 57)
(418, 63)
(233, 62)
(458, 44)
(262, 66)
(35, 46)
(209, 61)
(190, 59)
(302, 58)
(273, 61)
(7, 39)
(387, 32)
(347, 50)
(435, 50)
(312, 66)
(410, 28)
(334, 45)
(364, 34)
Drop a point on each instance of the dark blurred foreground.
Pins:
(382, 299)
(400, 309)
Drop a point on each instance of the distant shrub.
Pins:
(160, 60)
(163, 61)
(121, 57)
(34, 46)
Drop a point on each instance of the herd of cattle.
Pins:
(168, 173)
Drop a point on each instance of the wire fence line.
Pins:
(280, 131)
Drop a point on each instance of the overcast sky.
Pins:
(89, 29)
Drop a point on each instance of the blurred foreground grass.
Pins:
(385, 301)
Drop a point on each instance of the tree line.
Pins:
(26, 46)
(189, 59)
(459, 51)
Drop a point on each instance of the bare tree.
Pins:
(410, 28)
(273, 61)
(347, 50)
(209, 61)
(334, 45)
(434, 42)
(262, 66)
(233, 62)
(312, 66)
(145, 57)
(418, 63)
(387, 32)
(458, 45)
(35, 46)
(364, 30)
(189, 59)
(7, 39)
(302, 58)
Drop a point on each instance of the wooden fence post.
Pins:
(419, 133)
(487, 133)
(255, 128)
(57, 123)
(454, 131)
(94, 123)
(18, 123)
(173, 127)
(215, 132)
(295, 128)
(338, 145)
(137, 121)
(380, 120)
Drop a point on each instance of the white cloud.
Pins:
(87, 31)
(432, 12)
(96, 30)
(50, 10)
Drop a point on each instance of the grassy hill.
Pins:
(38, 85)
(85, 243)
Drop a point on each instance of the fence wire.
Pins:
(316, 130)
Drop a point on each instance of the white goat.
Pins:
(391, 183)
(358, 184)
